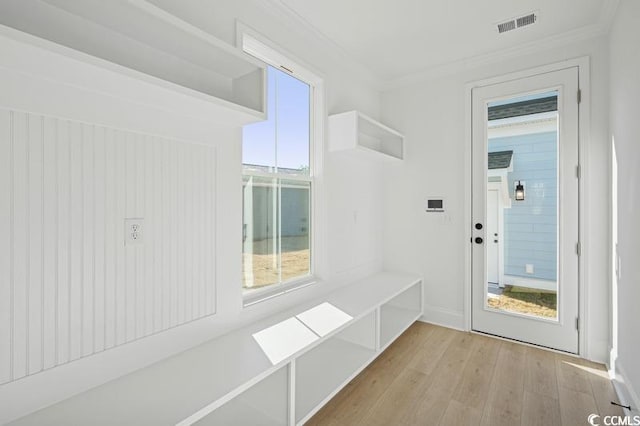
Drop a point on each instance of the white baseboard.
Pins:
(597, 351)
(626, 393)
(444, 317)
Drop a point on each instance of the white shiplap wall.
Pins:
(69, 287)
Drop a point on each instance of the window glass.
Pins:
(277, 186)
(292, 126)
(259, 139)
(282, 140)
(260, 232)
(295, 229)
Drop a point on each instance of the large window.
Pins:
(277, 185)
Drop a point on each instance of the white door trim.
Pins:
(495, 186)
(584, 118)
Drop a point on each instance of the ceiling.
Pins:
(394, 39)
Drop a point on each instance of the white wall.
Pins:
(431, 114)
(352, 190)
(353, 206)
(625, 143)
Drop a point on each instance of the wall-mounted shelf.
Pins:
(232, 380)
(353, 131)
(132, 50)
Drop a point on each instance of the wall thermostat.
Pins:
(435, 204)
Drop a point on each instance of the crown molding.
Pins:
(529, 48)
(283, 11)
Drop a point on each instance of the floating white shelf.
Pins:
(353, 131)
(231, 377)
(108, 47)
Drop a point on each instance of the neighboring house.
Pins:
(523, 147)
(259, 221)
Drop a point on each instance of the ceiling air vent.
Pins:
(506, 26)
(516, 23)
(526, 20)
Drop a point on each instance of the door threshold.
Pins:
(521, 342)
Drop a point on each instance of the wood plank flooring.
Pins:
(437, 376)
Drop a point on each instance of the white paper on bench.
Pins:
(324, 318)
(284, 339)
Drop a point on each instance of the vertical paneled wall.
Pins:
(69, 286)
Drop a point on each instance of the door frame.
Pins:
(494, 186)
(584, 118)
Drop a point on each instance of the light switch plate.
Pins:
(134, 231)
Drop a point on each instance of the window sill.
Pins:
(251, 297)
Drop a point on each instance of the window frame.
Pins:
(251, 43)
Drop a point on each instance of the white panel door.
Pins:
(537, 119)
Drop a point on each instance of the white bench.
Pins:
(277, 371)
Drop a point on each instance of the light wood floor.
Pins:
(437, 376)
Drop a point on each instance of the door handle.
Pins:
(479, 240)
(495, 241)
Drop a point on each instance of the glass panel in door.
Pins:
(525, 198)
(522, 205)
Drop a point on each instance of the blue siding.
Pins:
(530, 226)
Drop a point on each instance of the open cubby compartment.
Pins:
(399, 313)
(325, 369)
(377, 137)
(264, 404)
(353, 131)
(148, 42)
